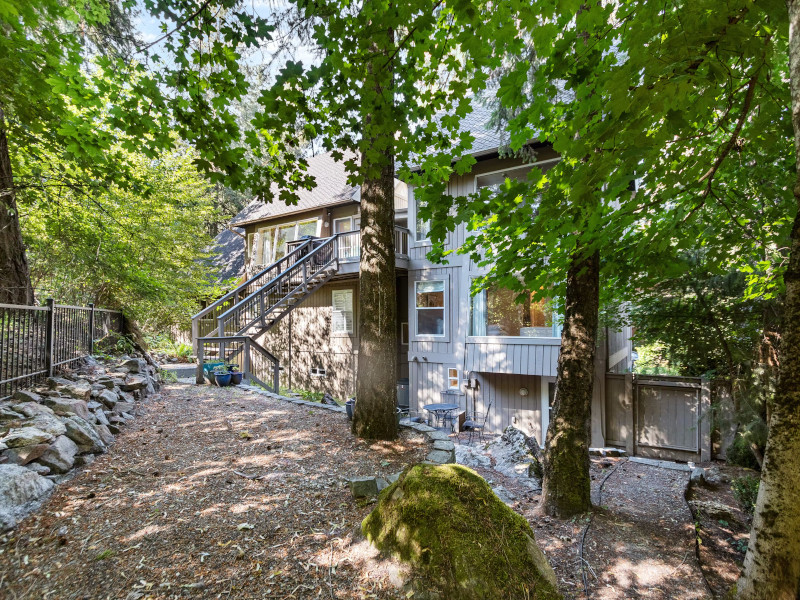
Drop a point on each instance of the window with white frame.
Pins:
(452, 379)
(423, 228)
(342, 314)
(273, 241)
(430, 307)
(500, 312)
(318, 372)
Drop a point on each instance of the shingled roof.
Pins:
(331, 189)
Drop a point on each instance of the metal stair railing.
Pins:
(205, 322)
(257, 363)
(282, 293)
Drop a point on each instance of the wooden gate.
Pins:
(661, 416)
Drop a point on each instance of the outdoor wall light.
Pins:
(523, 391)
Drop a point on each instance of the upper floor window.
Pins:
(342, 314)
(495, 312)
(423, 228)
(273, 240)
(430, 307)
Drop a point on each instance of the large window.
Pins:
(342, 316)
(430, 307)
(273, 240)
(495, 312)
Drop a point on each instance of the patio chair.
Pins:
(475, 423)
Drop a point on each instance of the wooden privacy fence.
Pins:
(658, 416)
(35, 341)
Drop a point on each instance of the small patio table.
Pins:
(442, 411)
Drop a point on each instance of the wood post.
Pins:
(199, 374)
(50, 337)
(704, 420)
(246, 359)
(630, 416)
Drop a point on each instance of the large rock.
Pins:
(514, 455)
(26, 436)
(60, 456)
(68, 406)
(24, 454)
(449, 525)
(31, 409)
(108, 397)
(84, 435)
(105, 433)
(106, 382)
(26, 396)
(123, 407)
(134, 365)
(134, 382)
(21, 492)
(9, 414)
(48, 423)
(82, 390)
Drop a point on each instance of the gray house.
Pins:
(298, 308)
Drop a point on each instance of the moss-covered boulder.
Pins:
(461, 539)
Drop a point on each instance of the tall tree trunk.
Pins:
(376, 392)
(565, 489)
(772, 563)
(15, 278)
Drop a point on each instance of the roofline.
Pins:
(489, 153)
(293, 212)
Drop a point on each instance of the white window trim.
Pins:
(262, 230)
(528, 166)
(319, 372)
(349, 219)
(430, 336)
(450, 385)
(413, 207)
(352, 311)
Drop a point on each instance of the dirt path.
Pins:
(211, 493)
(641, 543)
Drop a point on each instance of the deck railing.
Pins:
(350, 244)
(318, 256)
(35, 341)
(258, 364)
(205, 322)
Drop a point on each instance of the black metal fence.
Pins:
(35, 341)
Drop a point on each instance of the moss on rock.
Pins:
(448, 524)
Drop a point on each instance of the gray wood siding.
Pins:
(534, 357)
(313, 345)
(424, 346)
(508, 406)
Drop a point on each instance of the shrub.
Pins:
(745, 490)
(739, 453)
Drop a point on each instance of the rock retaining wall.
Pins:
(48, 431)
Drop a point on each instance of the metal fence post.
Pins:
(91, 327)
(50, 337)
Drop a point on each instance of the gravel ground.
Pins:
(211, 493)
(221, 493)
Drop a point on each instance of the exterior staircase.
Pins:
(225, 330)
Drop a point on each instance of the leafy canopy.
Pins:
(687, 99)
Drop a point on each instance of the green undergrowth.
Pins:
(458, 535)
